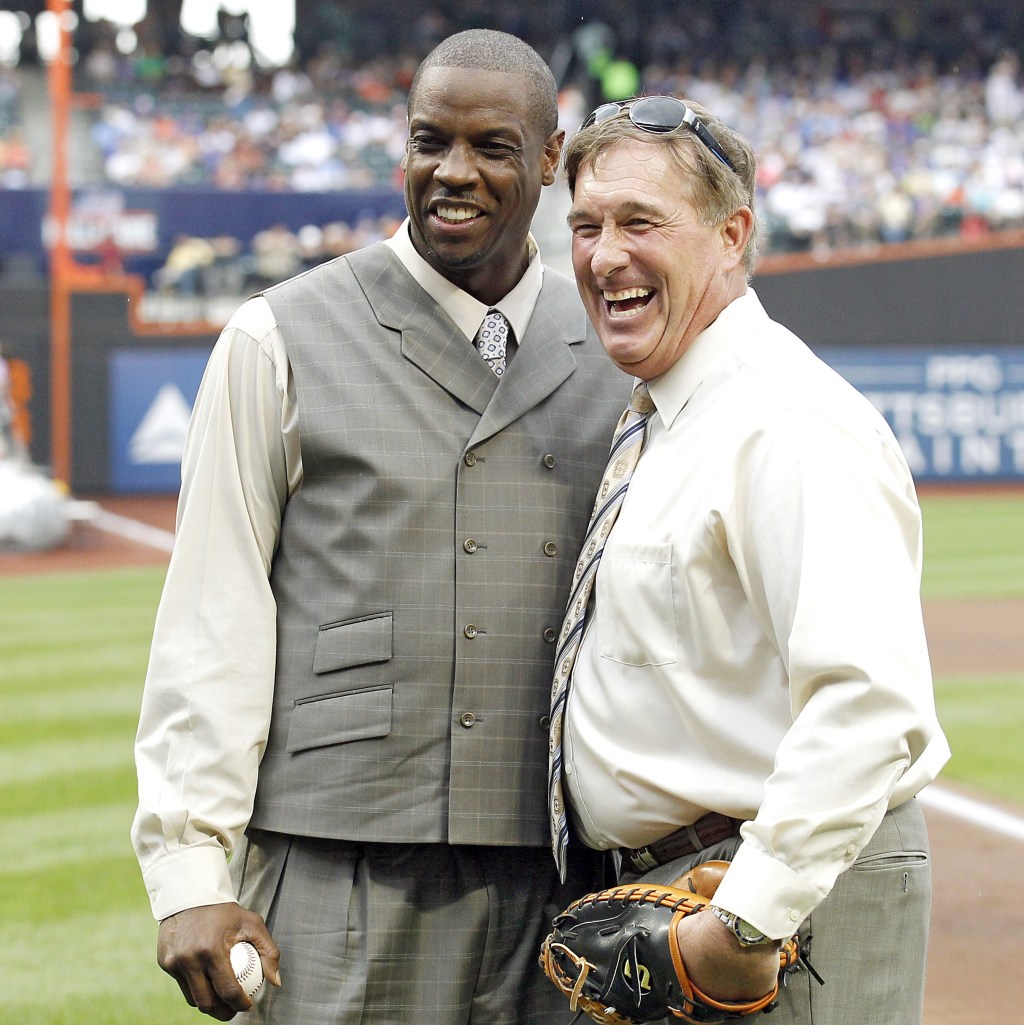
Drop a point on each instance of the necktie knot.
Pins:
(640, 401)
(492, 340)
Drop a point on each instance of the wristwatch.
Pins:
(747, 935)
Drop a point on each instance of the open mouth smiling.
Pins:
(627, 302)
(454, 214)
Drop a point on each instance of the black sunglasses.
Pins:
(659, 114)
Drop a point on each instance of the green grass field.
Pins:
(974, 545)
(72, 658)
(974, 548)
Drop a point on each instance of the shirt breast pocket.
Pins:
(635, 613)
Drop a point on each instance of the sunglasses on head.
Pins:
(660, 114)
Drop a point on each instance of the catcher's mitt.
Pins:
(615, 955)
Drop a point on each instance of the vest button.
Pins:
(544, 722)
(470, 545)
(469, 459)
(550, 635)
(550, 549)
(467, 719)
(470, 631)
(549, 461)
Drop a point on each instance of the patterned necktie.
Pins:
(492, 339)
(626, 445)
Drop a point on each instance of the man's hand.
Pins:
(719, 966)
(193, 947)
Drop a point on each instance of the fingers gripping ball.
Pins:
(245, 962)
(615, 955)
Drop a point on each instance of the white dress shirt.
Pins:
(210, 683)
(757, 646)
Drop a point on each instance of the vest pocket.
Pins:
(340, 718)
(356, 642)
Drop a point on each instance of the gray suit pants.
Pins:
(868, 939)
(400, 933)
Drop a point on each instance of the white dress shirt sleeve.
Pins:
(825, 533)
(209, 686)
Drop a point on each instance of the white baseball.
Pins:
(245, 962)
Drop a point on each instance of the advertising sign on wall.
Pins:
(959, 416)
(151, 397)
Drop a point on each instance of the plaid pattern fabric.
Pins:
(424, 934)
(412, 447)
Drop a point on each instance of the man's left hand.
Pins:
(719, 966)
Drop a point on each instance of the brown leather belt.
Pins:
(707, 830)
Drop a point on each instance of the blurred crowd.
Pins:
(877, 125)
(221, 266)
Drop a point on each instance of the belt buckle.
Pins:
(643, 860)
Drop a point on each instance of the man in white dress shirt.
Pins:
(753, 683)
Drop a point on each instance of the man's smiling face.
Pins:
(474, 166)
(651, 274)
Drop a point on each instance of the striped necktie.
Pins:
(626, 445)
(492, 339)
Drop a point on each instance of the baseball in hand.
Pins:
(245, 961)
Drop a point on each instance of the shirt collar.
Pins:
(464, 310)
(672, 389)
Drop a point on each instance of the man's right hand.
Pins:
(193, 947)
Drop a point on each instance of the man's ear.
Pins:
(552, 154)
(736, 231)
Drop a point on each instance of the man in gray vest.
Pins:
(343, 739)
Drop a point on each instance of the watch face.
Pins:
(747, 932)
(743, 931)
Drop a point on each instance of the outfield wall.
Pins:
(934, 337)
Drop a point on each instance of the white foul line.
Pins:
(133, 530)
(973, 811)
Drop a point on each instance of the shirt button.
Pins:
(794, 915)
(550, 549)
(467, 719)
(549, 461)
(550, 635)
(469, 459)
(470, 545)
(544, 722)
(471, 631)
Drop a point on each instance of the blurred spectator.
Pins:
(1004, 90)
(276, 255)
(895, 215)
(225, 274)
(12, 446)
(15, 160)
(310, 238)
(182, 272)
(108, 255)
(618, 76)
